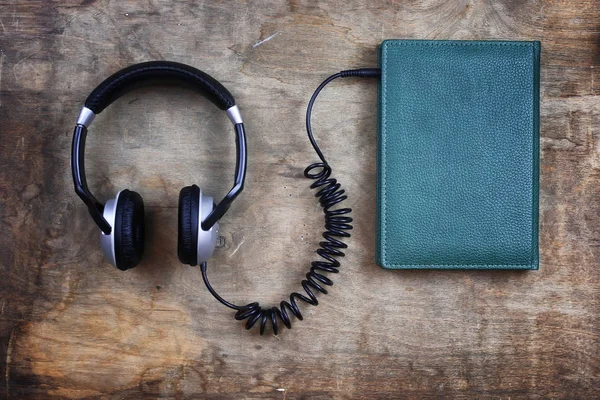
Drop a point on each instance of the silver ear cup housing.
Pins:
(207, 240)
(108, 241)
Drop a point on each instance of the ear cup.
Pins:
(187, 242)
(129, 230)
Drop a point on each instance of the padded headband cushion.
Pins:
(137, 75)
(187, 242)
(129, 230)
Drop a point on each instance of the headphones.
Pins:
(121, 220)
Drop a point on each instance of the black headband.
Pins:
(163, 72)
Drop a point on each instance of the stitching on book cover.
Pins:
(465, 43)
(383, 234)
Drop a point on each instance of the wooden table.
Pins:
(72, 326)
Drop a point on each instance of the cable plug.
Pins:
(361, 73)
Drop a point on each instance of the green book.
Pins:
(458, 155)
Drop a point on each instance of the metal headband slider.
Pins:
(86, 117)
(234, 115)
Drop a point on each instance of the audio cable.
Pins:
(337, 224)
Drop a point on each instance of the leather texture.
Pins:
(187, 238)
(129, 230)
(458, 155)
(161, 72)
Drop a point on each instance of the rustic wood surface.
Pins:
(71, 326)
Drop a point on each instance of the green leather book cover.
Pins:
(458, 155)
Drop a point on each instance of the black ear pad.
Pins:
(187, 242)
(129, 230)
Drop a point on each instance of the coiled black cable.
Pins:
(337, 225)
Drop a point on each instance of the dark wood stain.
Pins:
(73, 327)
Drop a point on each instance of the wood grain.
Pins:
(73, 327)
